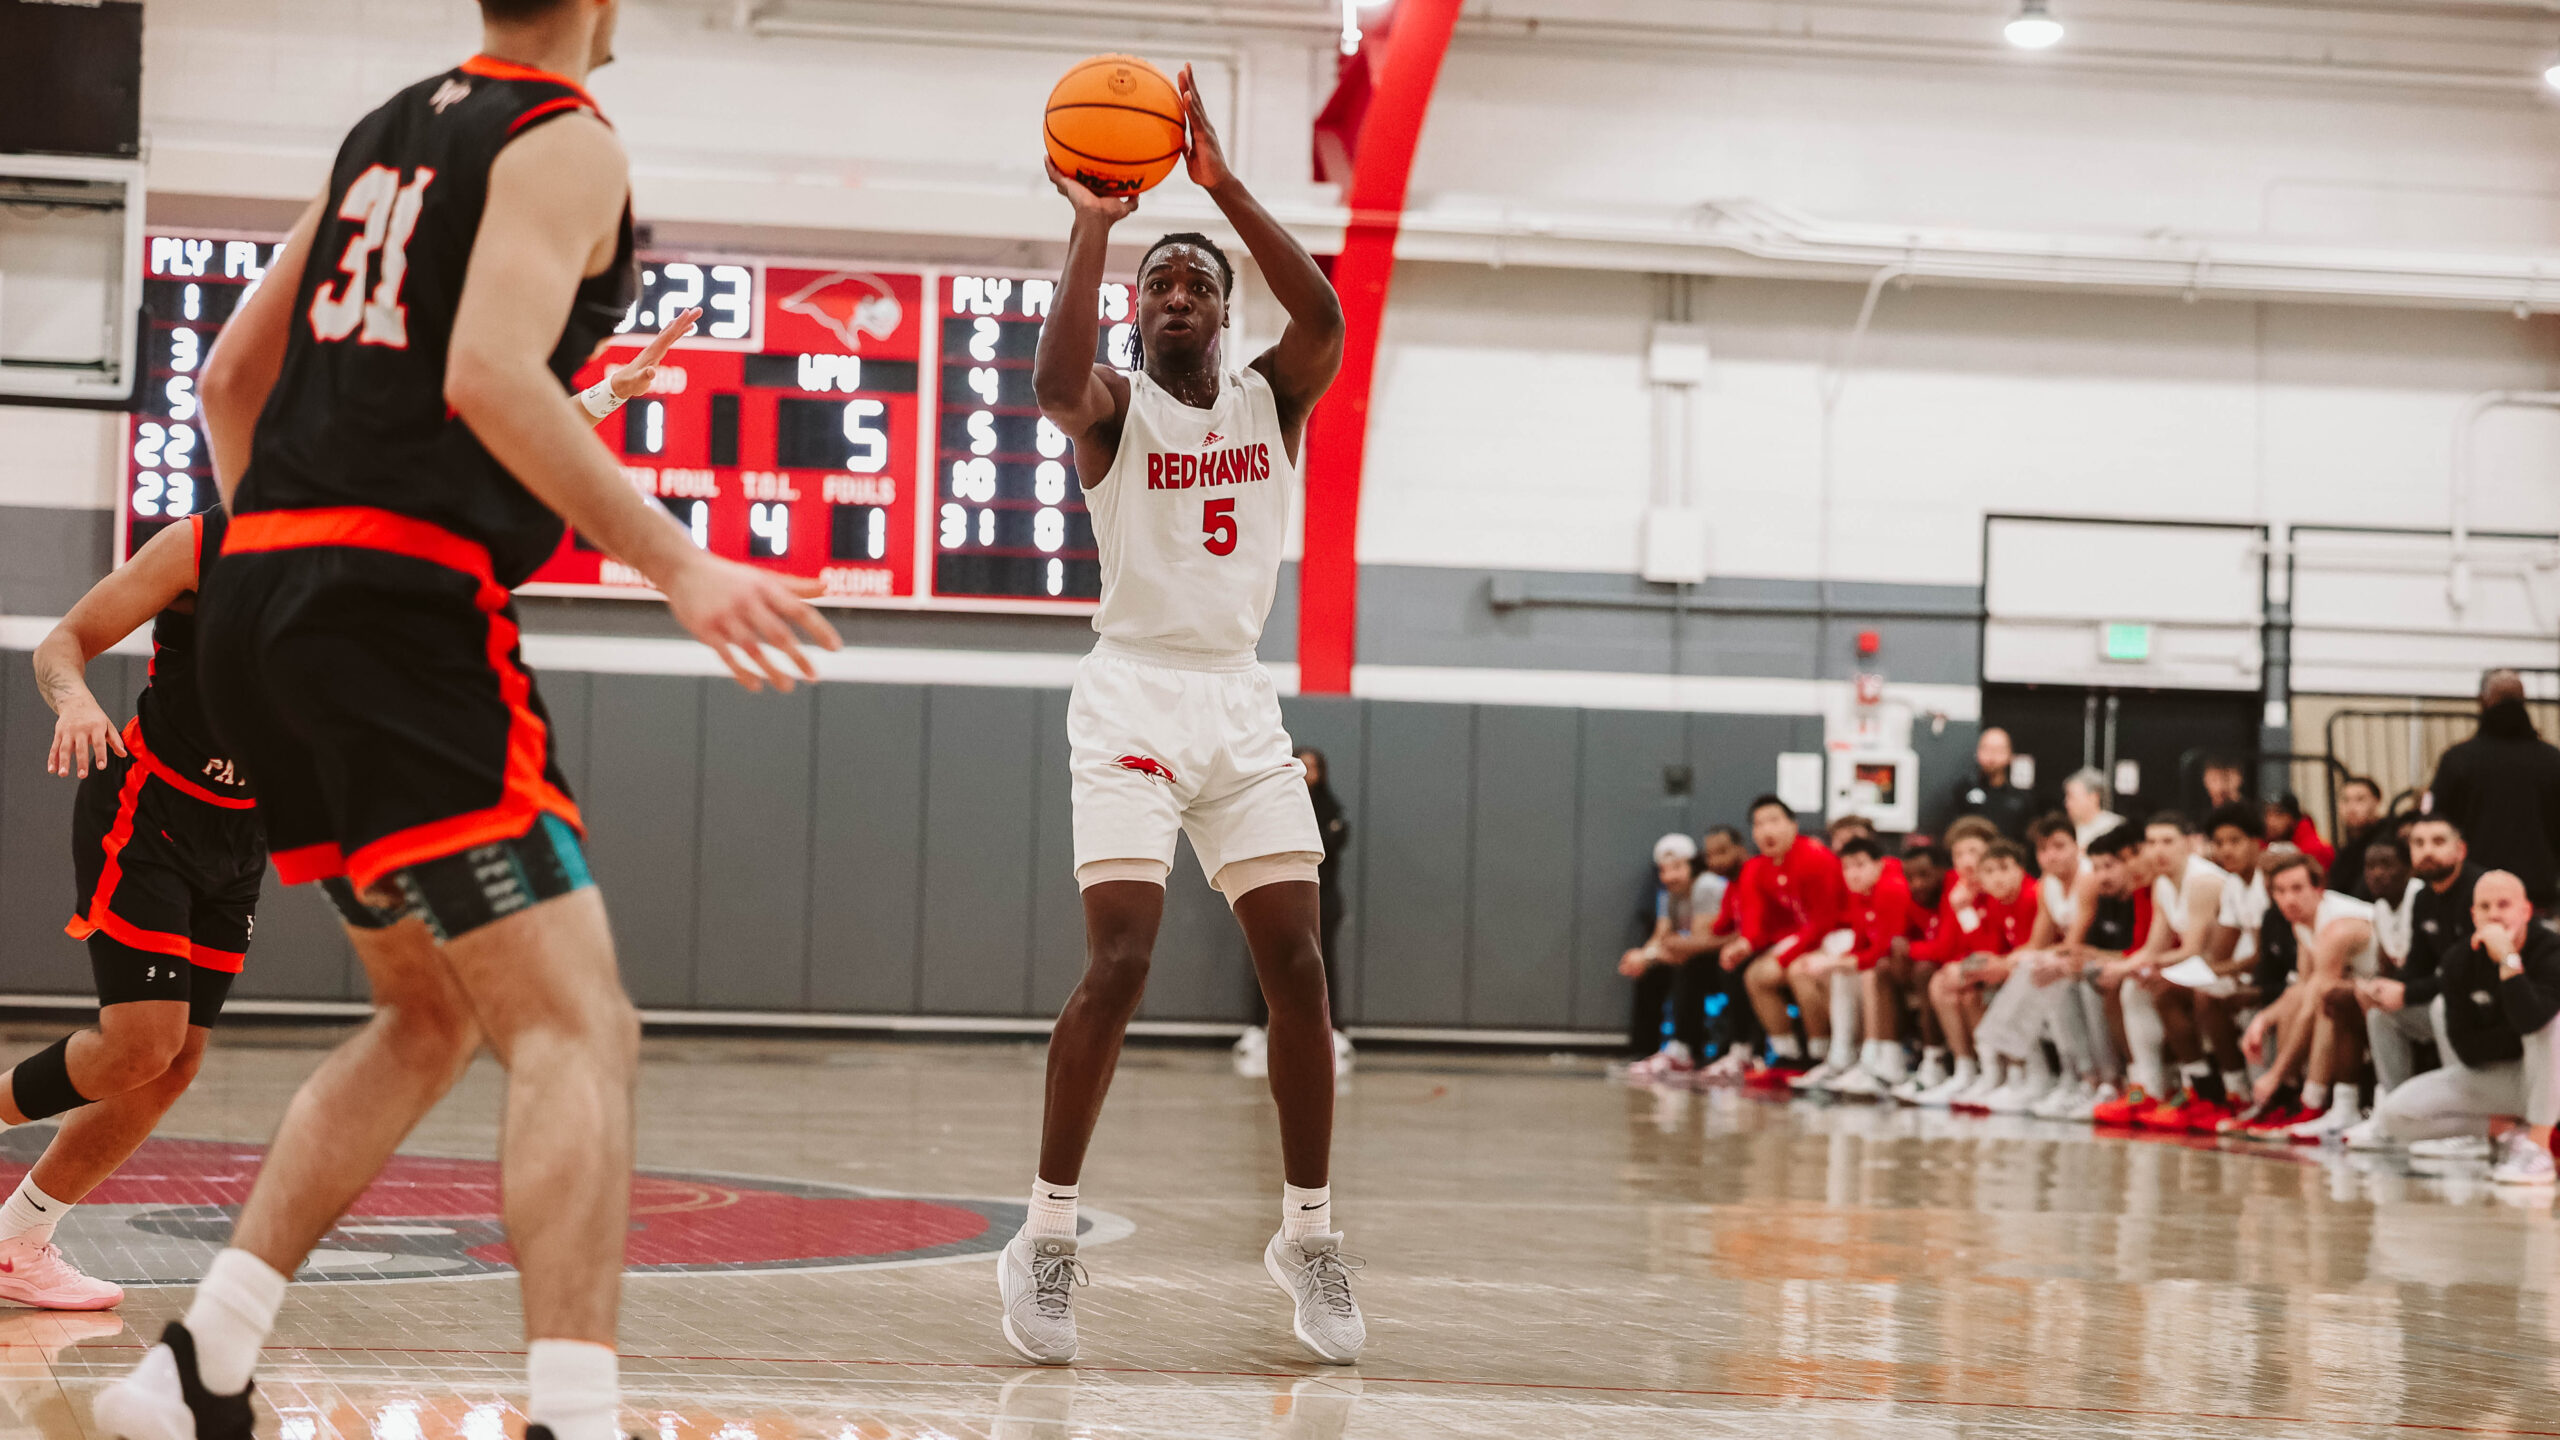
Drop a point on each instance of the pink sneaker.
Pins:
(34, 1273)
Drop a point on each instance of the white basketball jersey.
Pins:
(1192, 519)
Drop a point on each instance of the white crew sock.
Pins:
(1053, 1212)
(31, 1214)
(2315, 1097)
(576, 1389)
(1819, 1047)
(1844, 1012)
(1888, 1061)
(1784, 1047)
(234, 1308)
(1305, 1212)
(1965, 1073)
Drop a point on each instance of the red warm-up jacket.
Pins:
(1793, 901)
(1880, 917)
(1995, 928)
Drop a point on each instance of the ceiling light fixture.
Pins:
(2035, 28)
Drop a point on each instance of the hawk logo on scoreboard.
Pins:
(851, 305)
(1148, 766)
(164, 1218)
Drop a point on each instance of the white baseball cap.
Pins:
(1674, 846)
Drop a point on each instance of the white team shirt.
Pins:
(2393, 924)
(2059, 902)
(2167, 896)
(2099, 824)
(2244, 908)
(2335, 907)
(1191, 520)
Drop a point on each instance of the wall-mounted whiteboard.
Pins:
(2053, 587)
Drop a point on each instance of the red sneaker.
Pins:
(2205, 1117)
(2170, 1114)
(1768, 1077)
(2121, 1112)
(2278, 1117)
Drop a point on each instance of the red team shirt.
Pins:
(1879, 917)
(1984, 926)
(1789, 904)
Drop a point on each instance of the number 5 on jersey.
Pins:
(1218, 522)
(389, 211)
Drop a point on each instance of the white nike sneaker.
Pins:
(1860, 1083)
(1316, 1276)
(2326, 1128)
(1978, 1094)
(2059, 1102)
(34, 1273)
(2018, 1097)
(2451, 1148)
(2087, 1110)
(1941, 1095)
(1819, 1078)
(1035, 1286)
(1253, 1053)
(1343, 1054)
(2522, 1162)
(2368, 1134)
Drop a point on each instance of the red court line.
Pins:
(1567, 1387)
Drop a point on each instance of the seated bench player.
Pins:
(2019, 1019)
(1790, 897)
(1936, 872)
(1661, 975)
(2335, 946)
(1879, 920)
(1979, 928)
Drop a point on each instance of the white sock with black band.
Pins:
(1305, 1212)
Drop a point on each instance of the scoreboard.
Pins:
(872, 428)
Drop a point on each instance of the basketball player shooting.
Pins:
(390, 418)
(1187, 466)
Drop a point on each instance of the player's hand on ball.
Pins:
(81, 739)
(1201, 153)
(632, 381)
(1109, 209)
(746, 615)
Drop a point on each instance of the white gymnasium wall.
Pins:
(1512, 419)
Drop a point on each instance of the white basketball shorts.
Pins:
(1158, 748)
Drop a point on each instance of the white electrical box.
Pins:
(1675, 545)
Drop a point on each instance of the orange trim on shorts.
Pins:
(525, 795)
(161, 772)
(205, 957)
(305, 864)
(101, 916)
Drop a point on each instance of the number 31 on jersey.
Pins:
(389, 210)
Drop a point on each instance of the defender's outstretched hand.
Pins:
(741, 612)
(632, 381)
(1109, 209)
(1201, 153)
(82, 738)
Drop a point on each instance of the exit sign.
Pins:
(2130, 643)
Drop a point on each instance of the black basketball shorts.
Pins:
(363, 666)
(167, 877)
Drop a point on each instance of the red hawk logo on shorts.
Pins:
(851, 305)
(1148, 766)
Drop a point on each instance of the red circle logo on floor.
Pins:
(162, 1217)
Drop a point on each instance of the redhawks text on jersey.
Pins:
(1237, 465)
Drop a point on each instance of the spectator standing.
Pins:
(2502, 788)
(2084, 799)
(1987, 791)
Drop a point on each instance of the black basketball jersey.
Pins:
(2112, 922)
(358, 415)
(171, 708)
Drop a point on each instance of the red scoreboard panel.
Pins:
(787, 435)
(871, 428)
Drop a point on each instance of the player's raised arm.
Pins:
(1302, 366)
(115, 607)
(555, 202)
(249, 354)
(1080, 397)
(626, 383)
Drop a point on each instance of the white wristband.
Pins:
(600, 399)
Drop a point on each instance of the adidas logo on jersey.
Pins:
(1212, 438)
(1236, 465)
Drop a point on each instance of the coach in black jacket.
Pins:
(2502, 786)
(2500, 995)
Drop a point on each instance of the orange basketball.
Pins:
(1115, 124)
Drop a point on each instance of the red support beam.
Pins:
(1403, 66)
